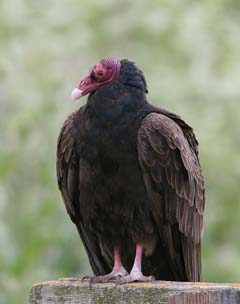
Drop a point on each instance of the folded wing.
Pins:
(68, 171)
(168, 156)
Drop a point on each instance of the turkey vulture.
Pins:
(131, 181)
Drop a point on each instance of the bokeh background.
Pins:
(190, 54)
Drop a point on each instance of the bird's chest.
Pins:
(110, 160)
(109, 140)
(111, 183)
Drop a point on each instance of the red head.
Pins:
(105, 71)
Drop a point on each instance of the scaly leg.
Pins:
(118, 271)
(136, 272)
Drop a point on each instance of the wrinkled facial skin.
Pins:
(106, 71)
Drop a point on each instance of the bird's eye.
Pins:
(100, 73)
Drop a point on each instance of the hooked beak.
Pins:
(76, 93)
(84, 87)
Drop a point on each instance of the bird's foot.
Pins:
(111, 277)
(134, 276)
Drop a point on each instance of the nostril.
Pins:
(81, 82)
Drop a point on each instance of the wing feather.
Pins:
(168, 155)
(68, 171)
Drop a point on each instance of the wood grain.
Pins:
(69, 291)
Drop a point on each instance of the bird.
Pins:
(131, 181)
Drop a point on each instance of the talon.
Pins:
(136, 274)
(118, 271)
(115, 278)
(87, 278)
(119, 274)
(132, 278)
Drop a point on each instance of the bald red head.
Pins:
(105, 71)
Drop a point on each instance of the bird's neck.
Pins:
(115, 103)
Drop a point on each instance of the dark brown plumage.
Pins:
(130, 178)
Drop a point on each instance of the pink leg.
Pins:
(118, 271)
(117, 260)
(136, 272)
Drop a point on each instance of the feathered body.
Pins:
(129, 174)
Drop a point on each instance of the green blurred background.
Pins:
(190, 54)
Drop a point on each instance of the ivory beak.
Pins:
(76, 94)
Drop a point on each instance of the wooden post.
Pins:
(69, 291)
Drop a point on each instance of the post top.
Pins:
(75, 291)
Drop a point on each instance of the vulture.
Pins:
(130, 178)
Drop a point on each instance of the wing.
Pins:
(68, 170)
(168, 156)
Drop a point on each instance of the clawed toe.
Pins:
(102, 279)
(132, 278)
(99, 279)
(119, 274)
(115, 278)
(87, 278)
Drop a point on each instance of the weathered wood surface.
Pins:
(76, 292)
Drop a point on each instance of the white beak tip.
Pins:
(76, 93)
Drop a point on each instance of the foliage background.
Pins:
(190, 54)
